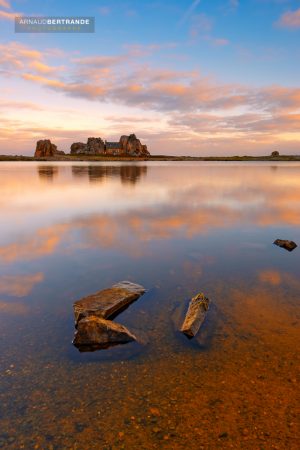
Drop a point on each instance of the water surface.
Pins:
(67, 230)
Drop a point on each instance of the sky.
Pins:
(188, 77)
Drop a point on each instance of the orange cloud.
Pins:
(7, 15)
(42, 68)
(19, 285)
(290, 19)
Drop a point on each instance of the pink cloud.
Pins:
(290, 19)
(5, 4)
(104, 10)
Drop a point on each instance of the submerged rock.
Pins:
(95, 333)
(108, 302)
(288, 245)
(195, 315)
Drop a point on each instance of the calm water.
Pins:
(176, 228)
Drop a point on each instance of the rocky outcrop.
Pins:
(94, 146)
(287, 245)
(195, 315)
(274, 154)
(91, 312)
(77, 148)
(129, 146)
(132, 146)
(94, 333)
(44, 148)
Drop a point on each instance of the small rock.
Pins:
(108, 302)
(94, 333)
(195, 315)
(287, 245)
(223, 435)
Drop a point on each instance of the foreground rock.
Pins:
(288, 245)
(195, 315)
(108, 302)
(94, 333)
(44, 148)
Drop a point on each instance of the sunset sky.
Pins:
(195, 77)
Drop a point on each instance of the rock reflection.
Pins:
(129, 174)
(47, 173)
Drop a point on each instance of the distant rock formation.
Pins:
(44, 148)
(274, 154)
(95, 146)
(127, 146)
(78, 147)
(132, 146)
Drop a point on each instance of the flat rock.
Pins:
(95, 333)
(108, 302)
(288, 245)
(195, 315)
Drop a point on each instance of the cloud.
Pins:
(220, 42)
(8, 15)
(4, 104)
(5, 15)
(19, 285)
(234, 4)
(189, 12)
(201, 25)
(40, 67)
(104, 10)
(5, 4)
(199, 111)
(290, 19)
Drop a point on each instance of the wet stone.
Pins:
(287, 245)
(94, 333)
(195, 315)
(108, 302)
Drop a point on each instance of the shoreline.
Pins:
(82, 158)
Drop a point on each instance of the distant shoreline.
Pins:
(85, 158)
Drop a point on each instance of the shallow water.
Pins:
(68, 230)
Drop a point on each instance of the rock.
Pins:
(44, 148)
(128, 145)
(108, 302)
(95, 333)
(195, 315)
(95, 146)
(274, 154)
(77, 148)
(132, 146)
(288, 245)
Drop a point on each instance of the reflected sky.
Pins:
(110, 205)
(176, 228)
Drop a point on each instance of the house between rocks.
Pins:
(127, 146)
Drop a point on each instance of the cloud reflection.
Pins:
(83, 215)
(19, 285)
